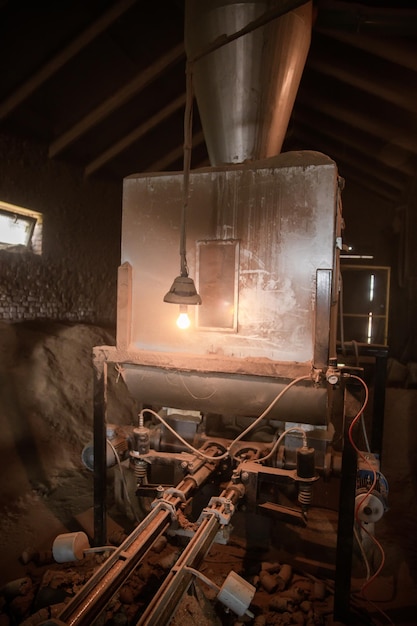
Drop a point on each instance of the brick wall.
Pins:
(74, 279)
(31, 288)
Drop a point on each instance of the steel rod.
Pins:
(95, 594)
(166, 600)
(100, 465)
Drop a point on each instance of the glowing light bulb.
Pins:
(183, 321)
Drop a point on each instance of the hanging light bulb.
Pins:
(183, 290)
(183, 321)
(183, 293)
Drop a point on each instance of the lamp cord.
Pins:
(188, 134)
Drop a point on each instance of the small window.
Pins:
(217, 268)
(365, 303)
(20, 229)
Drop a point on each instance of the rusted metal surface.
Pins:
(282, 211)
(92, 598)
(227, 394)
(187, 362)
(124, 306)
(323, 309)
(211, 384)
(165, 602)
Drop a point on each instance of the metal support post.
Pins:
(344, 547)
(100, 464)
(377, 434)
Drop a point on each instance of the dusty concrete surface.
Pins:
(46, 413)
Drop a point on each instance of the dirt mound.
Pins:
(46, 418)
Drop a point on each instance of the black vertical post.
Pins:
(377, 435)
(380, 353)
(344, 547)
(100, 464)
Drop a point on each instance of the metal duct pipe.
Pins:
(246, 89)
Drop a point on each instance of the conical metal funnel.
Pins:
(246, 89)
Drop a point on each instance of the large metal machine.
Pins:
(249, 398)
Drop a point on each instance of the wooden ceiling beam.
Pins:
(402, 51)
(59, 60)
(353, 172)
(347, 136)
(388, 89)
(116, 100)
(162, 164)
(356, 177)
(391, 133)
(362, 17)
(126, 141)
(362, 161)
(204, 162)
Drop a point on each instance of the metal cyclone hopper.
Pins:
(246, 89)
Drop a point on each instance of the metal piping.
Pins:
(95, 594)
(93, 597)
(165, 601)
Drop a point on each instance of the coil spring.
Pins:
(305, 494)
(140, 469)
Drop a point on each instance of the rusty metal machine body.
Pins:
(240, 400)
(263, 244)
(248, 399)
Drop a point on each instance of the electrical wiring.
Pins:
(375, 575)
(280, 438)
(100, 549)
(239, 437)
(363, 553)
(201, 576)
(365, 434)
(269, 408)
(212, 584)
(178, 436)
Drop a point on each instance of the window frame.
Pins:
(34, 219)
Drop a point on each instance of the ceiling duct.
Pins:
(246, 88)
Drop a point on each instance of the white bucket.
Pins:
(70, 547)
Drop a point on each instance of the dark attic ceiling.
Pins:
(102, 83)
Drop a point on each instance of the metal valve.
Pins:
(333, 372)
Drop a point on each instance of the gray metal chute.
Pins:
(246, 89)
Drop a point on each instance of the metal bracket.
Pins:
(177, 493)
(224, 515)
(162, 503)
(165, 505)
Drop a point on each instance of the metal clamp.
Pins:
(177, 493)
(223, 516)
(163, 504)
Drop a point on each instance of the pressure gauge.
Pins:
(333, 372)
